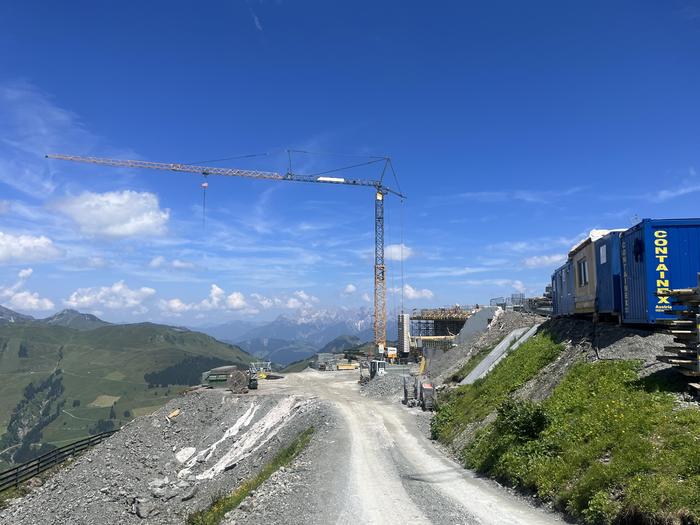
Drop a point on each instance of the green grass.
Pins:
(226, 503)
(110, 361)
(470, 403)
(605, 447)
(298, 366)
(472, 363)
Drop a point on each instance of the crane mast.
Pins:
(381, 192)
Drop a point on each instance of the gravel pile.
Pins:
(305, 491)
(384, 387)
(158, 470)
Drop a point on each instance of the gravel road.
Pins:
(369, 461)
(372, 463)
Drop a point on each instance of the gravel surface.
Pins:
(385, 387)
(309, 482)
(156, 471)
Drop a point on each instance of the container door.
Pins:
(634, 277)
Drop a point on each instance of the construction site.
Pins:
(268, 262)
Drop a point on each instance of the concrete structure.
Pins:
(325, 360)
(404, 343)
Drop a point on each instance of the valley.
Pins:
(104, 375)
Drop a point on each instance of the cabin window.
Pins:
(582, 267)
(603, 254)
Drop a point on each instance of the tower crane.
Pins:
(381, 191)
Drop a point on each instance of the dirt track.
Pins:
(377, 467)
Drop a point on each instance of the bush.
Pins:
(602, 448)
(469, 403)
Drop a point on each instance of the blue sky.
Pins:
(515, 128)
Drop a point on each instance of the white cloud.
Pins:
(544, 261)
(263, 301)
(157, 262)
(528, 196)
(217, 300)
(176, 306)
(293, 303)
(32, 127)
(410, 292)
(366, 297)
(16, 298)
(116, 296)
(236, 301)
(25, 248)
(397, 252)
(349, 289)
(116, 213)
(535, 245)
(446, 271)
(29, 301)
(516, 285)
(665, 195)
(182, 265)
(301, 294)
(160, 261)
(96, 262)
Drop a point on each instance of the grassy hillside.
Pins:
(605, 447)
(298, 366)
(101, 372)
(341, 343)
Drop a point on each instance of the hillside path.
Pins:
(378, 467)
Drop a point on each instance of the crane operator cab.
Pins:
(377, 368)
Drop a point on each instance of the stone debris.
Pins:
(155, 472)
(387, 387)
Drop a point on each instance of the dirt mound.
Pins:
(163, 469)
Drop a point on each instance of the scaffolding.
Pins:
(439, 322)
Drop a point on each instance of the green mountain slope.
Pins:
(74, 319)
(341, 343)
(95, 375)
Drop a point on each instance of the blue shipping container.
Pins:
(657, 254)
(563, 290)
(608, 274)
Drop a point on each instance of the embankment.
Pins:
(585, 419)
(161, 469)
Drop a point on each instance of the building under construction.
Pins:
(431, 328)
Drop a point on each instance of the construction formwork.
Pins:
(436, 322)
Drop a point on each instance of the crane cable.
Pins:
(398, 186)
(205, 185)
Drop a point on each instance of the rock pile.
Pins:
(384, 387)
(160, 469)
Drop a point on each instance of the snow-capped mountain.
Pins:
(319, 327)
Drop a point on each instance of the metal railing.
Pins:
(14, 476)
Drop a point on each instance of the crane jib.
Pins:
(227, 172)
(381, 191)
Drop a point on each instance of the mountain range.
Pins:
(291, 338)
(65, 318)
(72, 373)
